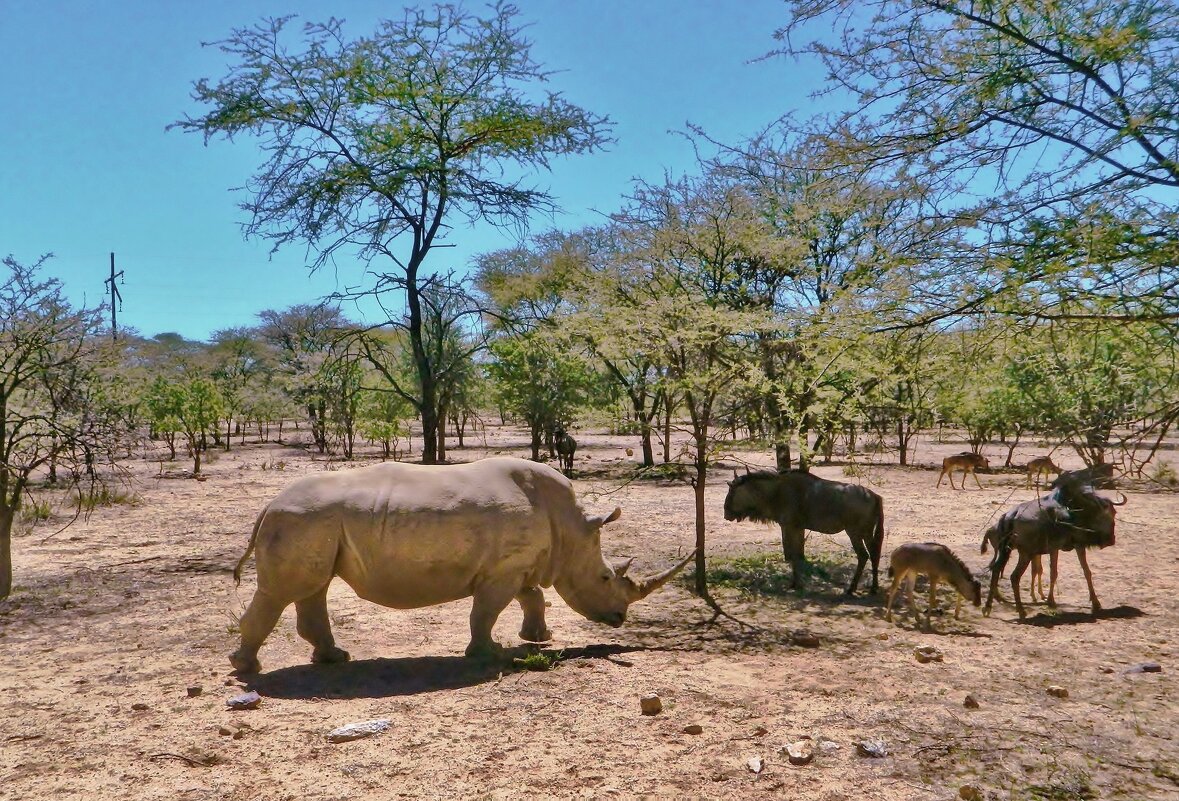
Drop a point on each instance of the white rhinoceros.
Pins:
(407, 536)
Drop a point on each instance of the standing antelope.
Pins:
(967, 462)
(1041, 466)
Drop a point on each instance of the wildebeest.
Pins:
(407, 536)
(967, 462)
(1098, 475)
(1071, 517)
(937, 562)
(565, 446)
(799, 501)
(1041, 466)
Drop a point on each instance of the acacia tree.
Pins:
(1060, 115)
(50, 356)
(376, 145)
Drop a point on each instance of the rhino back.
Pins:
(408, 535)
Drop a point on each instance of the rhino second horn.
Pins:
(649, 585)
(625, 566)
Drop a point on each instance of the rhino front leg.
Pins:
(314, 627)
(531, 600)
(256, 624)
(489, 600)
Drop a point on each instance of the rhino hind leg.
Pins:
(256, 624)
(314, 627)
(534, 629)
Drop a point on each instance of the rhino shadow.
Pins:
(1048, 621)
(391, 677)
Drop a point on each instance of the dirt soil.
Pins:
(116, 617)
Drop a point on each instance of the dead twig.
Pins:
(201, 762)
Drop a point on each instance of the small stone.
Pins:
(1144, 667)
(225, 731)
(970, 702)
(630, 451)
(357, 731)
(882, 635)
(651, 704)
(193, 692)
(755, 764)
(804, 638)
(1106, 669)
(229, 682)
(800, 752)
(968, 792)
(872, 748)
(693, 728)
(1056, 691)
(828, 746)
(250, 700)
(927, 653)
(139, 706)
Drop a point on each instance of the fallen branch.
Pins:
(203, 762)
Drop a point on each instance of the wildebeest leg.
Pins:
(976, 481)
(1088, 580)
(861, 555)
(313, 626)
(996, 571)
(957, 605)
(942, 475)
(1053, 566)
(489, 600)
(793, 541)
(531, 600)
(1037, 573)
(932, 595)
(256, 624)
(1016, 577)
(910, 583)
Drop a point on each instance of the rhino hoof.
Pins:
(535, 636)
(330, 655)
(484, 651)
(243, 664)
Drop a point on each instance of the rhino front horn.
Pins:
(649, 585)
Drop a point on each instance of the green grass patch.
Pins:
(757, 575)
(538, 660)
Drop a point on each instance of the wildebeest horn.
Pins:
(625, 566)
(734, 475)
(1122, 502)
(649, 585)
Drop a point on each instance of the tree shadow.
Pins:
(401, 676)
(1050, 621)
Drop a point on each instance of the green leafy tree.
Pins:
(541, 381)
(378, 145)
(199, 407)
(50, 360)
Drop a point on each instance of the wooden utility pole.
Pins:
(115, 295)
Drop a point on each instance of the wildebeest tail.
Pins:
(237, 571)
(878, 534)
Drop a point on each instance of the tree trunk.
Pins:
(228, 432)
(698, 487)
(782, 456)
(535, 431)
(196, 461)
(7, 515)
(902, 442)
(648, 450)
(666, 430)
(440, 454)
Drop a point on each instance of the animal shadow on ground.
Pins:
(393, 677)
(1049, 621)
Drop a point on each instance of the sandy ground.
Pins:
(136, 604)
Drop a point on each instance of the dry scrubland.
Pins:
(136, 604)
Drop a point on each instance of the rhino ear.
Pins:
(597, 521)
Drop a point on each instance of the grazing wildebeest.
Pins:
(1098, 475)
(1041, 466)
(565, 446)
(967, 462)
(1071, 517)
(940, 564)
(407, 536)
(798, 501)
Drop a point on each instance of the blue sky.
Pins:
(87, 89)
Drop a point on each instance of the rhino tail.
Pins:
(237, 571)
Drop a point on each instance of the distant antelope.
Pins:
(1041, 466)
(940, 564)
(967, 462)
